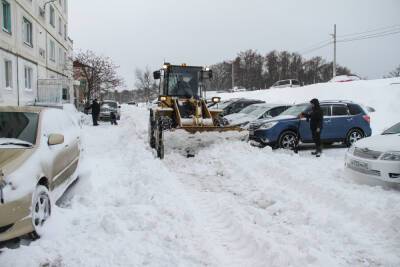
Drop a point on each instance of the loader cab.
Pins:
(182, 81)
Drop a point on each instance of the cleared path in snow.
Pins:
(231, 205)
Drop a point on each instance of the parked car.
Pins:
(235, 105)
(377, 157)
(132, 103)
(344, 121)
(39, 157)
(108, 106)
(286, 83)
(255, 112)
(345, 78)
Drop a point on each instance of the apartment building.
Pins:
(35, 51)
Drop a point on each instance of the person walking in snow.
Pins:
(316, 118)
(95, 107)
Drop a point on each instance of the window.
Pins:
(65, 94)
(8, 73)
(326, 110)
(6, 16)
(52, 16)
(27, 32)
(52, 51)
(28, 78)
(60, 56)
(339, 110)
(59, 26)
(295, 82)
(355, 109)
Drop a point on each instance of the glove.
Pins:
(318, 130)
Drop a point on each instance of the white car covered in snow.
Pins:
(255, 112)
(39, 157)
(377, 156)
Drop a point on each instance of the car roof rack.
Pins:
(337, 101)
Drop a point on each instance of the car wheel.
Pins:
(40, 210)
(353, 136)
(288, 140)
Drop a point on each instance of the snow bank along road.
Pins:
(231, 205)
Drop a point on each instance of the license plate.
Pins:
(359, 165)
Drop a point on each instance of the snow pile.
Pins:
(230, 205)
(383, 95)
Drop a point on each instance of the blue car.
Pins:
(344, 121)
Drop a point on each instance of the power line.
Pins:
(392, 27)
(316, 48)
(377, 35)
(316, 45)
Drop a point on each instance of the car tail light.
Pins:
(367, 118)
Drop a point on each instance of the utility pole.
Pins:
(334, 51)
(233, 74)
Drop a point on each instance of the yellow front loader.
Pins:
(181, 105)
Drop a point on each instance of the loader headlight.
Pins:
(163, 98)
(268, 125)
(391, 156)
(216, 100)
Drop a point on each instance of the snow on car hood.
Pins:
(382, 143)
(10, 159)
(277, 118)
(243, 118)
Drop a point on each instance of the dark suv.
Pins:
(344, 121)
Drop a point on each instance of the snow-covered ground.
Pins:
(231, 205)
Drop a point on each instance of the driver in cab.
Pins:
(182, 86)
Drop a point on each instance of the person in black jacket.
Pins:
(316, 118)
(95, 107)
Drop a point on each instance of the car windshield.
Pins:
(255, 110)
(18, 128)
(183, 81)
(109, 105)
(224, 104)
(295, 110)
(393, 130)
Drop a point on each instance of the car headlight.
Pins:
(268, 125)
(391, 156)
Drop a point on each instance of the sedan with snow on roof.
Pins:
(255, 112)
(377, 157)
(39, 156)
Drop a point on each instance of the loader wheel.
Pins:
(152, 139)
(159, 140)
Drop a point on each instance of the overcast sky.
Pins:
(140, 33)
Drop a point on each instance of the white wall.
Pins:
(12, 46)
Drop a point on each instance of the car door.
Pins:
(327, 127)
(53, 163)
(340, 121)
(305, 130)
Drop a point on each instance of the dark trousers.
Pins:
(317, 140)
(95, 117)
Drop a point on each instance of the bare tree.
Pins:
(100, 73)
(146, 83)
(395, 73)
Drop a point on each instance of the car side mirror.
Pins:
(157, 75)
(55, 139)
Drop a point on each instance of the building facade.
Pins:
(34, 48)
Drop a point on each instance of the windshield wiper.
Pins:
(16, 144)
